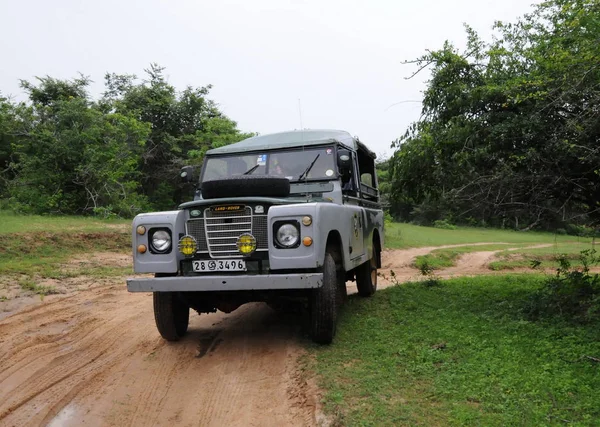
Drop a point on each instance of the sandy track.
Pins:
(468, 264)
(95, 357)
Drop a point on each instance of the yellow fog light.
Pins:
(306, 220)
(142, 249)
(187, 245)
(307, 241)
(246, 244)
(141, 229)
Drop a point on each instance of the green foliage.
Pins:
(508, 135)
(63, 153)
(401, 235)
(29, 253)
(458, 354)
(13, 223)
(442, 223)
(547, 257)
(573, 294)
(182, 128)
(427, 263)
(41, 290)
(581, 230)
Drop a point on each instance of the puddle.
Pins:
(65, 417)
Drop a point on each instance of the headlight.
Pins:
(287, 235)
(161, 241)
(188, 246)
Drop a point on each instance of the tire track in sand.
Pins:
(95, 357)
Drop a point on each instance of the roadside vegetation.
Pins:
(63, 152)
(543, 258)
(507, 135)
(17, 223)
(401, 236)
(39, 249)
(463, 352)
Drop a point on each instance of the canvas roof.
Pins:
(291, 139)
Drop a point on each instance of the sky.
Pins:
(275, 65)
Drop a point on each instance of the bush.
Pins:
(581, 231)
(442, 223)
(561, 231)
(572, 294)
(388, 218)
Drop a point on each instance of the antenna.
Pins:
(302, 137)
(300, 114)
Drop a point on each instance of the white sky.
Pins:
(341, 58)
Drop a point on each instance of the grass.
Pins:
(41, 290)
(14, 223)
(28, 253)
(444, 258)
(547, 256)
(400, 236)
(38, 246)
(459, 354)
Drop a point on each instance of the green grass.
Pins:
(40, 253)
(399, 236)
(13, 223)
(41, 290)
(444, 258)
(523, 258)
(459, 353)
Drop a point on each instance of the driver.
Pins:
(277, 168)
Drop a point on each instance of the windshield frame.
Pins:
(318, 149)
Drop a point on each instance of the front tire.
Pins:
(171, 314)
(366, 276)
(324, 304)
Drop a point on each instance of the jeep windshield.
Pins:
(290, 164)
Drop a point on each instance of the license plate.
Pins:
(218, 265)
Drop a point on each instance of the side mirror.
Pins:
(187, 174)
(344, 161)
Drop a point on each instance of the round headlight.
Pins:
(161, 241)
(287, 235)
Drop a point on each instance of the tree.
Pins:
(183, 127)
(63, 152)
(74, 158)
(509, 129)
(7, 124)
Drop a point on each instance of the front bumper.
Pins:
(226, 283)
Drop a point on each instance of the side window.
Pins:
(368, 179)
(350, 183)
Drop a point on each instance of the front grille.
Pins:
(195, 228)
(259, 231)
(218, 232)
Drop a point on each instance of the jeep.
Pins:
(285, 218)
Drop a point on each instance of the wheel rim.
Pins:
(374, 270)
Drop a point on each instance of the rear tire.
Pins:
(366, 276)
(171, 314)
(324, 304)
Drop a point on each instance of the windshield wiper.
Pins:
(309, 167)
(252, 169)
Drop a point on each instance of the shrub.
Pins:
(388, 218)
(573, 294)
(442, 223)
(581, 230)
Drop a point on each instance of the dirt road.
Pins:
(93, 357)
